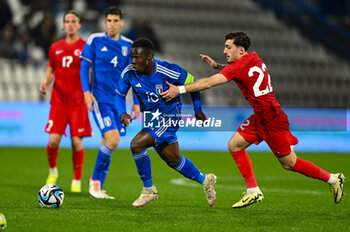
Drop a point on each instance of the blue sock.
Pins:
(187, 169)
(143, 164)
(103, 161)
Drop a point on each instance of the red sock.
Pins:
(78, 163)
(245, 167)
(311, 170)
(52, 153)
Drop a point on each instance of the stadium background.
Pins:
(305, 44)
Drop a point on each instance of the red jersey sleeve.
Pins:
(231, 72)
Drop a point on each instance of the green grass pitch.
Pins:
(292, 202)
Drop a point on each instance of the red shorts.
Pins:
(273, 129)
(76, 116)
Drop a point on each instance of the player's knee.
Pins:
(288, 161)
(77, 143)
(112, 143)
(111, 139)
(135, 146)
(54, 143)
(287, 165)
(232, 147)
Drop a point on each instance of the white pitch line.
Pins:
(188, 183)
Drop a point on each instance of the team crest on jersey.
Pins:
(107, 121)
(159, 88)
(124, 50)
(77, 52)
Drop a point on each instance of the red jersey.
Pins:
(252, 77)
(64, 59)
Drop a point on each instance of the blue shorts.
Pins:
(106, 118)
(164, 128)
(165, 137)
(163, 133)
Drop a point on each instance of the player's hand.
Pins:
(135, 111)
(44, 86)
(89, 99)
(200, 116)
(209, 60)
(172, 92)
(125, 119)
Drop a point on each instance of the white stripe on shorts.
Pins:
(98, 115)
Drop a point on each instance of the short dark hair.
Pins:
(113, 10)
(144, 43)
(73, 12)
(240, 39)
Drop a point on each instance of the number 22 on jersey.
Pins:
(260, 80)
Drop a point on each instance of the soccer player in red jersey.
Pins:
(67, 99)
(268, 123)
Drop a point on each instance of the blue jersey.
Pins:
(148, 88)
(109, 58)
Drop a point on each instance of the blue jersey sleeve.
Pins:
(196, 99)
(87, 58)
(88, 52)
(120, 104)
(175, 74)
(180, 76)
(84, 74)
(136, 100)
(122, 90)
(123, 86)
(195, 96)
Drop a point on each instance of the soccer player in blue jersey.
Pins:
(107, 54)
(147, 76)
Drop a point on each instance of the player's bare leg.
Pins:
(335, 181)
(52, 153)
(171, 155)
(237, 146)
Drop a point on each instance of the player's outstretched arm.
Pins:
(211, 62)
(125, 119)
(49, 76)
(201, 84)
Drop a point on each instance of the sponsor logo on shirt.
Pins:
(59, 52)
(104, 49)
(138, 85)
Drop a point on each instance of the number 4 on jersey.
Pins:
(115, 61)
(259, 81)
